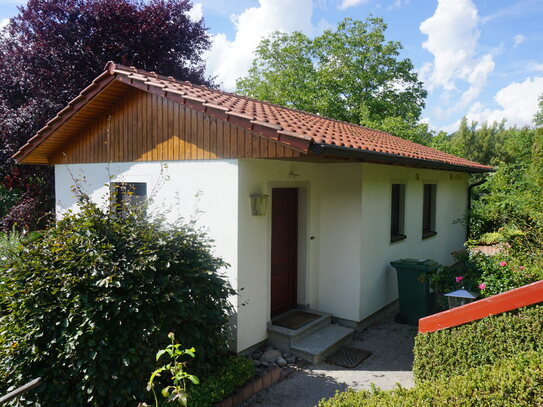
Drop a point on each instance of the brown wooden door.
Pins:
(284, 249)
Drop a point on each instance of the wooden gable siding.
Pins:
(145, 127)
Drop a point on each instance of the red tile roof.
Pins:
(297, 128)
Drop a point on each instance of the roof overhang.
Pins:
(378, 157)
(116, 79)
(46, 140)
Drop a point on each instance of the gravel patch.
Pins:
(391, 362)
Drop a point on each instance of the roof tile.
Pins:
(287, 121)
(300, 124)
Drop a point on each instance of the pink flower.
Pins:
(521, 268)
(459, 278)
(482, 286)
(503, 264)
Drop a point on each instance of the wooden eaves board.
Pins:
(125, 124)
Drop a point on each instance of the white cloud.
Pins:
(518, 103)
(519, 39)
(351, 3)
(534, 66)
(516, 9)
(229, 60)
(196, 12)
(324, 25)
(453, 34)
(398, 4)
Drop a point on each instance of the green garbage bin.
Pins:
(417, 300)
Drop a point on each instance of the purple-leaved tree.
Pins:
(54, 48)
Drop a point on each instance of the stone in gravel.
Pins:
(281, 362)
(256, 362)
(270, 356)
(291, 359)
(286, 355)
(264, 364)
(257, 355)
(284, 373)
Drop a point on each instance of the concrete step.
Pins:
(315, 347)
(282, 338)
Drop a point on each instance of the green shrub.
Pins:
(452, 351)
(9, 243)
(501, 274)
(498, 274)
(90, 303)
(511, 205)
(513, 382)
(12, 242)
(235, 373)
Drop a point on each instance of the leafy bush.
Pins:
(511, 204)
(91, 301)
(503, 275)
(12, 242)
(236, 372)
(486, 275)
(452, 351)
(512, 382)
(9, 244)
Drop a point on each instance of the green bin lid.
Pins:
(416, 264)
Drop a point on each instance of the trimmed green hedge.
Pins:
(237, 371)
(453, 351)
(512, 382)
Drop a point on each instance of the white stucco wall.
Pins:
(378, 283)
(329, 264)
(344, 225)
(345, 269)
(203, 190)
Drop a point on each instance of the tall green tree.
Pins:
(53, 48)
(486, 143)
(538, 118)
(349, 73)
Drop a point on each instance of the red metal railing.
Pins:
(510, 300)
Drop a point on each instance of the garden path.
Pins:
(391, 362)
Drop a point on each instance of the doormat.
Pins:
(348, 357)
(295, 319)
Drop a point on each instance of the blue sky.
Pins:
(479, 58)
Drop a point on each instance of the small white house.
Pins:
(308, 211)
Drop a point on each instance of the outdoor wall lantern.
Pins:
(460, 297)
(259, 203)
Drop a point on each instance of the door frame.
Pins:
(303, 275)
(286, 270)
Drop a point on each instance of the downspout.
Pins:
(470, 188)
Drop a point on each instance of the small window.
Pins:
(397, 213)
(429, 211)
(127, 194)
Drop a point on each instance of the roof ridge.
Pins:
(249, 98)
